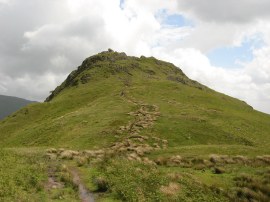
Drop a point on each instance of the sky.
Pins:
(222, 44)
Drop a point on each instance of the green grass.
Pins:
(21, 177)
(87, 115)
(86, 111)
(133, 181)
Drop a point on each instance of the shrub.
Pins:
(101, 183)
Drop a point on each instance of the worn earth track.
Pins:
(84, 194)
(53, 182)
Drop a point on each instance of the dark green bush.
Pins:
(102, 184)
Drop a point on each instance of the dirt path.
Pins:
(53, 183)
(84, 194)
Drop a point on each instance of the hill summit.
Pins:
(95, 99)
(112, 63)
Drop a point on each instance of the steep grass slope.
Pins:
(9, 104)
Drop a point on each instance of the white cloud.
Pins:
(241, 11)
(42, 41)
(32, 86)
(4, 2)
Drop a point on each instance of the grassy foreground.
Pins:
(21, 177)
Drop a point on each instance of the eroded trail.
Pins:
(84, 194)
(131, 144)
(53, 182)
(61, 178)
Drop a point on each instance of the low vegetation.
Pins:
(123, 128)
(22, 177)
(132, 181)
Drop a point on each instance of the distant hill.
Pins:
(9, 105)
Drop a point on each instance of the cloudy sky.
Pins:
(222, 44)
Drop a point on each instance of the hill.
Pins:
(125, 116)
(9, 105)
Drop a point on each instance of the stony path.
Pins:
(136, 146)
(144, 117)
(131, 145)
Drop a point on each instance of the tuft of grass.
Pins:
(252, 188)
(171, 189)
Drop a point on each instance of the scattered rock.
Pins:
(218, 170)
(264, 159)
(51, 150)
(68, 154)
(175, 160)
(240, 159)
(171, 189)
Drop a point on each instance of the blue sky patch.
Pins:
(122, 4)
(175, 20)
(231, 57)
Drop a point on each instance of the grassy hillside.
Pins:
(9, 104)
(116, 110)
(93, 103)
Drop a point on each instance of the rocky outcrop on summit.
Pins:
(88, 63)
(107, 61)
